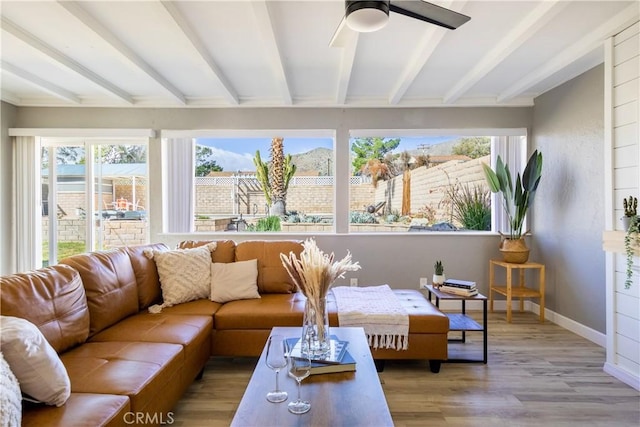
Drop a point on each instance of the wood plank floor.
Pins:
(537, 375)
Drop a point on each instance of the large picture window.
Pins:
(269, 183)
(431, 182)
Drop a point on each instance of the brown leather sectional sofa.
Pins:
(126, 364)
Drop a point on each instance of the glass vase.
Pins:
(315, 329)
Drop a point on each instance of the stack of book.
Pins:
(459, 287)
(338, 360)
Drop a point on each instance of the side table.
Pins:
(461, 322)
(521, 291)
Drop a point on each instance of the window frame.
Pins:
(188, 180)
(27, 174)
(515, 157)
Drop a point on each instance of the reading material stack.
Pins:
(338, 359)
(463, 288)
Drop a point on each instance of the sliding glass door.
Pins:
(94, 194)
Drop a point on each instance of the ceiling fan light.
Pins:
(367, 16)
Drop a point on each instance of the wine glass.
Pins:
(299, 368)
(276, 360)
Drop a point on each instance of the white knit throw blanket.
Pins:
(377, 310)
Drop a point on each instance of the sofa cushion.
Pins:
(234, 280)
(265, 313)
(272, 277)
(424, 317)
(146, 273)
(185, 274)
(191, 331)
(143, 371)
(225, 249)
(110, 285)
(34, 362)
(53, 299)
(201, 307)
(106, 410)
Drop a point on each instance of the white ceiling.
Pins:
(276, 53)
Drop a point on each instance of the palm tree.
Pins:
(275, 177)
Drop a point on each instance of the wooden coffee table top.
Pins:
(345, 398)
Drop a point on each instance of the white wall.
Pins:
(568, 213)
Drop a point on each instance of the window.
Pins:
(103, 180)
(236, 183)
(401, 182)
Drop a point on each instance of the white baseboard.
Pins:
(571, 325)
(622, 375)
(501, 305)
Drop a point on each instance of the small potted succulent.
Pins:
(438, 275)
(630, 210)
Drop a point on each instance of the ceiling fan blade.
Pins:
(429, 12)
(342, 34)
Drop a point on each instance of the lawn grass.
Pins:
(65, 249)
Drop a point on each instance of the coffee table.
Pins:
(345, 398)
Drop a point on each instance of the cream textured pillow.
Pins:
(10, 398)
(185, 274)
(34, 362)
(234, 280)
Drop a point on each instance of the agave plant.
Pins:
(516, 198)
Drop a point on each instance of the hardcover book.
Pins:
(464, 284)
(336, 352)
(459, 291)
(339, 359)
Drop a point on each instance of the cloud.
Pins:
(231, 161)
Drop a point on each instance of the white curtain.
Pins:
(179, 155)
(512, 150)
(28, 192)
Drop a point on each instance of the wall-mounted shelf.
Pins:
(613, 241)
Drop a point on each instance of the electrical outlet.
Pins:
(353, 281)
(423, 282)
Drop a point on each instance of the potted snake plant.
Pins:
(516, 200)
(630, 206)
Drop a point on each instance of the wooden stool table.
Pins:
(520, 291)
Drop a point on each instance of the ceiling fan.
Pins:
(369, 15)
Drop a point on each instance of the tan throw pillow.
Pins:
(185, 274)
(34, 362)
(235, 280)
(11, 397)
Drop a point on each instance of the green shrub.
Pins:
(471, 206)
(269, 223)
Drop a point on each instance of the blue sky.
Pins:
(237, 153)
